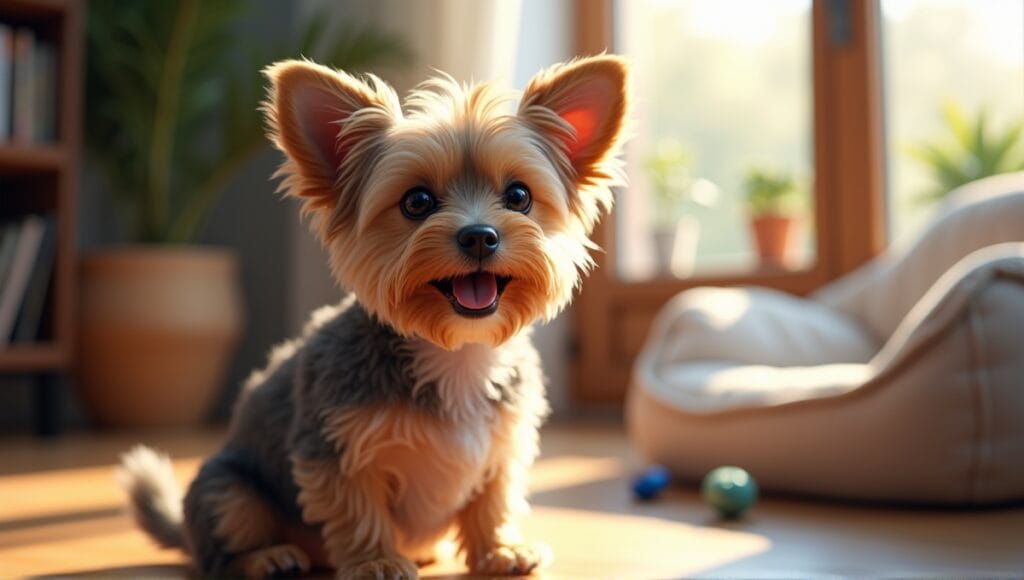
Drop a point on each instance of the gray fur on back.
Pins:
(344, 359)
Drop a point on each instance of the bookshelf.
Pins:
(28, 158)
(42, 178)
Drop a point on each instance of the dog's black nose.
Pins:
(478, 241)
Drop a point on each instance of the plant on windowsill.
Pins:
(171, 120)
(676, 196)
(970, 149)
(772, 201)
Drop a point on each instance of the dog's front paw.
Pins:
(283, 561)
(393, 568)
(512, 559)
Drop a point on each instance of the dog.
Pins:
(411, 409)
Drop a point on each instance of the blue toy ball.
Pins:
(651, 482)
(730, 490)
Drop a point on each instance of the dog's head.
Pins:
(454, 219)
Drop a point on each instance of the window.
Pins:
(721, 164)
(791, 87)
(950, 66)
(795, 86)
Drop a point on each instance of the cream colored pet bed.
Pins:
(903, 381)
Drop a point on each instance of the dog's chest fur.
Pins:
(433, 463)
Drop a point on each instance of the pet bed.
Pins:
(903, 381)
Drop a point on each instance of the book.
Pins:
(44, 67)
(6, 81)
(26, 329)
(24, 85)
(8, 240)
(30, 238)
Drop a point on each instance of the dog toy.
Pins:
(651, 482)
(730, 490)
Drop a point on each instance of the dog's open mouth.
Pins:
(475, 294)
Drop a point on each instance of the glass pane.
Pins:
(724, 136)
(952, 68)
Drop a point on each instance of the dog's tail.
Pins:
(154, 496)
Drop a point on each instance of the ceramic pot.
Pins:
(159, 326)
(773, 235)
(676, 247)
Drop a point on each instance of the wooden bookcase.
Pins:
(43, 178)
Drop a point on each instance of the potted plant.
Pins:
(676, 195)
(971, 149)
(772, 200)
(169, 125)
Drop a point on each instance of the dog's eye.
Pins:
(418, 203)
(517, 198)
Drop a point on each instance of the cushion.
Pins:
(758, 326)
(983, 213)
(714, 348)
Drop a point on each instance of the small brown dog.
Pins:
(411, 408)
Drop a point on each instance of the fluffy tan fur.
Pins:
(467, 145)
(410, 475)
(244, 520)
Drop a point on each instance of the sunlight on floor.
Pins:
(593, 544)
(61, 513)
(71, 520)
(565, 471)
(49, 494)
(602, 543)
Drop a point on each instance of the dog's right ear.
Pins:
(325, 121)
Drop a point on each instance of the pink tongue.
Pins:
(475, 291)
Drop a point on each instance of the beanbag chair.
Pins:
(903, 381)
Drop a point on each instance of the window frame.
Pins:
(612, 316)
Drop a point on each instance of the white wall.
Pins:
(545, 37)
(454, 36)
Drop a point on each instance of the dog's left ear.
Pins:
(590, 96)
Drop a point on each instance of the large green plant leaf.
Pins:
(172, 97)
(970, 149)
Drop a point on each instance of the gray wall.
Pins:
(544, 39)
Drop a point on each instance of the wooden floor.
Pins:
(61, 514)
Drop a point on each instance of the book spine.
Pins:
(6, 81)
(45, 100)
(8, 241)
(24, 84)
(31, 315)
(29, 240)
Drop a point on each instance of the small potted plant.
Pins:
(171, 119)
(772, 201)
(676, 195)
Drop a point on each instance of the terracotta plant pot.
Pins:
(159, 326)
(773, 234)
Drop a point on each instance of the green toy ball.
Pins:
(730, 490)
